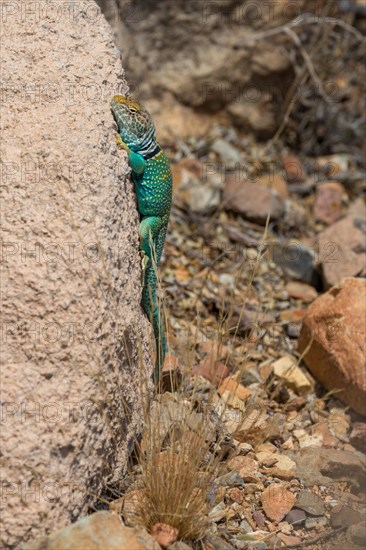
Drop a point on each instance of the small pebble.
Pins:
(296, 517)
(244, 525)
(231, 479)
(312, 523)
(259, 518)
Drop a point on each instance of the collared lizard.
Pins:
(153, 184)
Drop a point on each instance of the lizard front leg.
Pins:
(136, 161)
(121, 144)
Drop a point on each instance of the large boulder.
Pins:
(74, 333)
(332, 340)
(99, 531)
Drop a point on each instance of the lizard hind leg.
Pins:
(150, 229)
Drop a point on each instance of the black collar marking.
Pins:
(153, 153)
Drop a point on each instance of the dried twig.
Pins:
(301, 77)
(318, 538)
(305, 19)
(308, 63)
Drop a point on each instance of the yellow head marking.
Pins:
(129, 101)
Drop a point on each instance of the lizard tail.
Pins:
(151, 307)
(161, 346)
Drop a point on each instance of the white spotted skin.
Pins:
(154, 187)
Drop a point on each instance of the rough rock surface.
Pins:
(322, 466)
(358, 436)
(277, 501)
(334, 330)
(99, 531)
(70, 270)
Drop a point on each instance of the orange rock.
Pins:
(334, 332)
(181, 275)
(265, 371)
(236, 495)
(302, 291)
(289, 540)
(252, 200)
(267, 459)
(266, 447)
(232, 386)
(294, 170)
(328, 201)
(212, 370)
(277, 502)
(287, 370)
(322, 429)
(170, 362)
(246, 467)
(277, 465)
(284, 469)
(176, 121)
(295, 404)
(211, 346)
(164, 534)
(99, 530)
(341, 251)
(292, 315)
(275, 181)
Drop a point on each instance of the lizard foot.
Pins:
(120, 143)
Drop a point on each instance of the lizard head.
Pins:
(135, 124)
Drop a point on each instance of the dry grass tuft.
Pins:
(177, 466)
